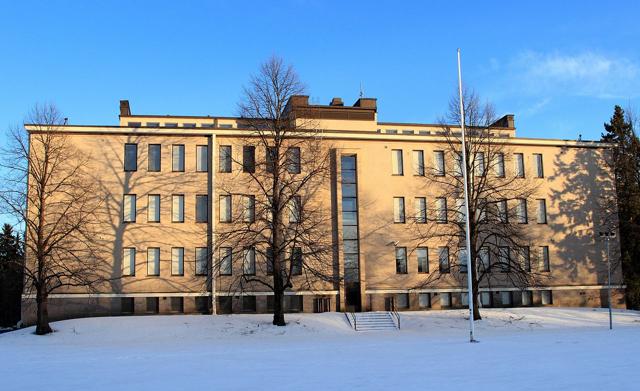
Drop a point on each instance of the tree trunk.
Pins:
(476, 307)
(42, 322)
(278, 308)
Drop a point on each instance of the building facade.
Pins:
(161, 179)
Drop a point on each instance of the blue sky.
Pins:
(558, 66)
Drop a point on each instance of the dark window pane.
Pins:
(351, 261)
(350, 232)
(351, 275)
(293, 160)
(349, 204)
(348, 190)
(348, 176)
(350, 246)
(202, 214)
(130, 157)
(249, 159)
(224, 158)
(348, 162)
(154, 157)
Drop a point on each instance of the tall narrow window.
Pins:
(129, 261)
(225, 208)
(460, 215)
(521, 211)
(544, 258)
(224, 158)
(443, 259)
(401, 260)
(539, 166)
(457, 163)
(249, 159)
(155, 157)
(153, 261)
(519, 165)
(504, 259)
(202, 261)
(398, 209)
(296, 261)
(479, 163)
(177, 261)
(129, 208)
(418, 163)
(542, 211)
(422, 253)
(153, 208)
(525, 258)
(249, 263)
(202, 208)
(271, 158)
(177, 208)
(503, 214)
(225, 261)
(546, 298)
(177, 157)
(293, 160)
(438, 163)
(498, 166)
(397, 166)
(269, 258)
(441, 210)
(420, 206)
(485, 261)
(131, 157)
(249, 215)
(295, 207)
(202, 158)
(462, 260)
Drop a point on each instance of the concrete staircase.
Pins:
(373, 321)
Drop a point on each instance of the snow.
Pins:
(519, 349)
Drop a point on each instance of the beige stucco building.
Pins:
(159, 178)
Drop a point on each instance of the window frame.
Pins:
(249, 159)
(156, 263)
(199, 148)
(180, 272)
(418, 166)
(402, 217)
(124, 160)
(149, 168)
(198, 218)
(293, 166)
(135, 208)
(132, 262)
(149, 196)
(179, 196)
(226, 157)
(397, 162)
(439, 167)
(178, 147)
(228, 215)
(223, 259)
(401, 268)
(420, 264)
(541, 202)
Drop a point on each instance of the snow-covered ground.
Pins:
(519, 349)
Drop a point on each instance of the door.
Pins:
(352, 297)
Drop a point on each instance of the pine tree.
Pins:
(626, 166)
(11, 257)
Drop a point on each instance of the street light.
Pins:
(607, 236)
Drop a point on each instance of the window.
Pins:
(153, 261)
(402, 300)
(479, 163)
(538, 162)
(249, 215)
(293, 160)
(295, 208)
(392, 131)
(249, 158)
(398, 209)
(443, 259)
(152, 124)
(177, 157)
(224, 158)
(519, 165)
(485, 261)
(457, 168)
(177, 208)
(397, 167)
(153, 305)
(544, 258)
(225, 208)
(464, 299)
(504, 259)
(292, 303)
(249, 263)
(546, 298)
(131, 157)
(418, 163)
(271, 158)
(202, 208)
(527, 298)
(525, 258)
(248, 303)
(438, 163)
(485, 299)
(129, 261)
(176, 304)
(424, 300)
(189, 125)
(420, 205)
(155, 156)
(129, 208)
(422, 253)
(462, 260)
(202, 304)
(503, 214)
(127, 305)
(498, 167)
(401, 260)
(460, 215)
(170, 125)
(441, 210)
(177, 261)
(521, 211)
(445, 300)
(296, 260)
(542, 211)
(481, 211)
(269, 258)
(202, 158)
(225, 261)
(202, 261)
(505, 298)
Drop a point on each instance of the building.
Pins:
(160, 175)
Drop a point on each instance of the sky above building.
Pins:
(560, 67)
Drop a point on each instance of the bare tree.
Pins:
(497, 204)
(279, 230)
(47, 187)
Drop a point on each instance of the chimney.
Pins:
(366, 103)
(125, 110)
(336, 102)
(507, 121)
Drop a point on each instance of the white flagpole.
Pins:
(466, 207)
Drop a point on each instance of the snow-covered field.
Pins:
(519, 349)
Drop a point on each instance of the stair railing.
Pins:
(394, 312)
(354, 323)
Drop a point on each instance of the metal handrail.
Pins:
(353, 324)
(394, 312)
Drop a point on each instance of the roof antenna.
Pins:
(66, 120)
(361, 91)
(579, 137)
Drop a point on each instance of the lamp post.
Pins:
(607, 236)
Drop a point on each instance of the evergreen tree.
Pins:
(11, 258)
(626, 166)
